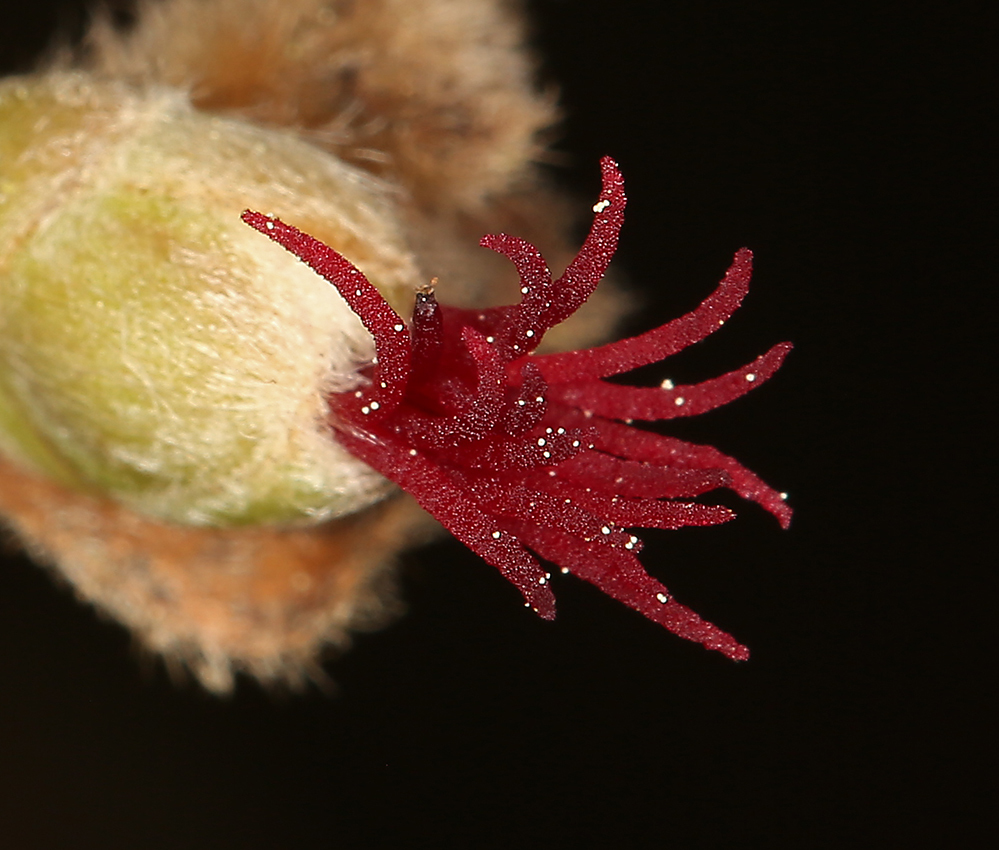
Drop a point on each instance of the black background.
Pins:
(847, 148)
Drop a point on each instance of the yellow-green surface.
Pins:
(154, 348)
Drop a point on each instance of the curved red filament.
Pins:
(517, 453)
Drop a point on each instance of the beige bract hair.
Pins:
(439, 94)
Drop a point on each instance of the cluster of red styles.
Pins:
(517, 453)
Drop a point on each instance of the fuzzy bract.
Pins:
(522, 456)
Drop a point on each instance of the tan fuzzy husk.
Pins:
(263, 601)
(437, 93)
(434, 97)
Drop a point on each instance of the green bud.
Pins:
(152, 347)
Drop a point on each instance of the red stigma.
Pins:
(517, 453)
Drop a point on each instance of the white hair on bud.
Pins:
(184, 364)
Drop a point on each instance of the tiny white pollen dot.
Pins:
(529, 333)
(496, 535)
(784, 496)
(375, 405)
(560, 431)
(521, 403)
(542, 580)
(524, 290)
(600, 206)
(662, 597)
(721, 322)
(750, 377)
(548, 575)
(575, 444)
(383, 385)
(667, 384)
(541, 441)
(629, 545)
(679, 400)
(548, 430)
(357, 292)
(539, 399)
(490, 339)
(365, 410)
(358, 394)
(565, 571)
(270, 225)
(398, 327)
(412, 452)
(605, 530)
(546, 454)
(527, 604)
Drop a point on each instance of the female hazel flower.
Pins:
(180, 435)
(517, 453)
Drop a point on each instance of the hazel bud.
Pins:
(154, 349)
(165, 371)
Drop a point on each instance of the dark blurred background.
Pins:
(846, 147)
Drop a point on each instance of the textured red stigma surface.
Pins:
(517, 453)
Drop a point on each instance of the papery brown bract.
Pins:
(515, 453)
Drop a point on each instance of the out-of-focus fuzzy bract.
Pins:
(439, 94)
